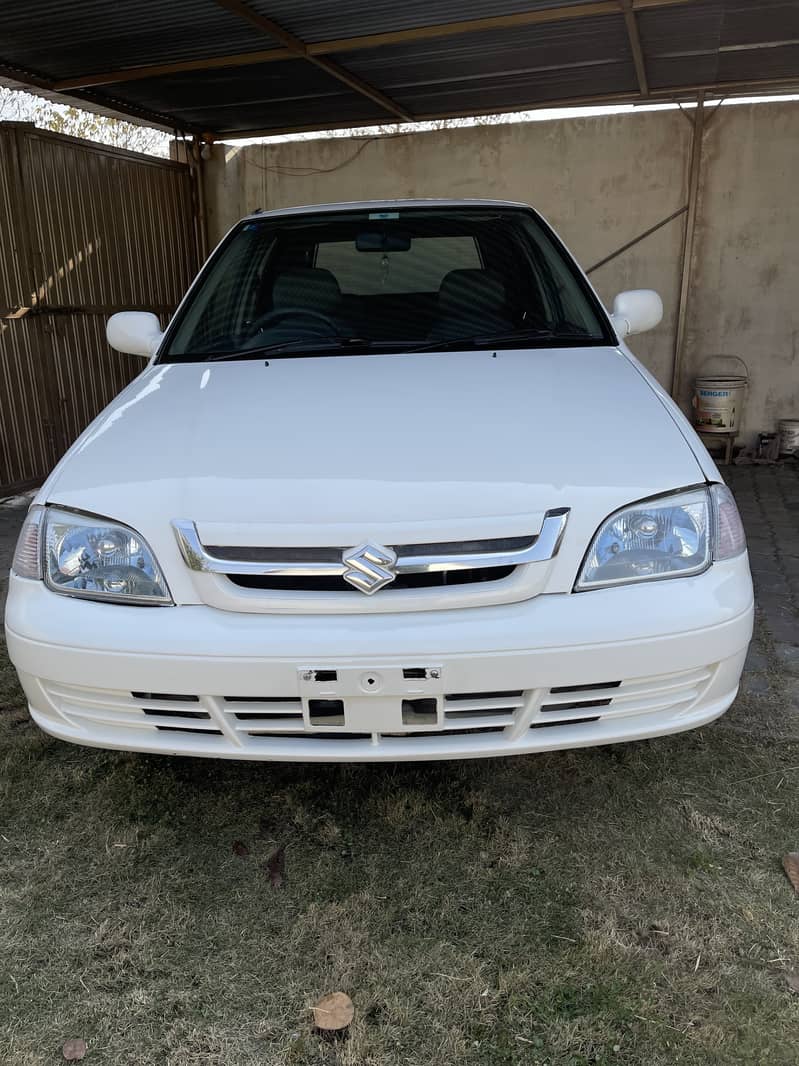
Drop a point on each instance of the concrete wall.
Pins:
(745, 293)
(600, 181)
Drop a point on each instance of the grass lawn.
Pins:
(613, 905)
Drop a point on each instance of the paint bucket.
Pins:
(718, 401)
(789, 436)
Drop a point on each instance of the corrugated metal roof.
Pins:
(61, 39)
(266, 95)
(593, 51)
(333, 19)
(569, 55)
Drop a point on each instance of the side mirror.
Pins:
(134, 332)
(636, 311)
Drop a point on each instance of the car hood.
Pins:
(340, 449)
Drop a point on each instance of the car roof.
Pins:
(380, 205)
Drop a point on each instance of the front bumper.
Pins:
(557, 671)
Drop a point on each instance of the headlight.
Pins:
(673, 536)
(99, 560)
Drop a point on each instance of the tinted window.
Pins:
(386, 280)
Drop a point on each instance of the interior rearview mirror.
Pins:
(382, 242)
(636, 311)
(134, 332)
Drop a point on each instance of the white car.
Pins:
(391, 486)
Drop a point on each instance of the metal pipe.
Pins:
(688, 244)
(637, 240)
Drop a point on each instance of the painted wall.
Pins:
(601, 182)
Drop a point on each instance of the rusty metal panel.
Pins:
(12, 285)
(108, 228)
(100, 376)
(85, 230)
(27, 447)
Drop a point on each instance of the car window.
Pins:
(420, 268)
(386, 280)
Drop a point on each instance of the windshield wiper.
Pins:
(305, 346)
(565, 331)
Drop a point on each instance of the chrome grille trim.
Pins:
(198, 557)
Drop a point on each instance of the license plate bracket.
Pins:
(372, 699)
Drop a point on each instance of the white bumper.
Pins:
(634, 662)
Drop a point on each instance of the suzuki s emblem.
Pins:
(370, 567)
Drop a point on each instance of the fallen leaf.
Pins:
(276, 867)
(240, 849)
(333, 1012)
(791, 866)
(792, 980)
(74, 1049)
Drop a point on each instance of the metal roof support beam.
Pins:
(539, 16)
(103, 105)
(687, 94)
(159, 70)
(635, 46)
(297, 47)
(688, 246)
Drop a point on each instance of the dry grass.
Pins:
(622, 905)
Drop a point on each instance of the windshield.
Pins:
(386, 280)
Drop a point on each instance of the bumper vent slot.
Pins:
(167, 719)
(164, 697)
(483, 710)
(567, 704)
(265, 716)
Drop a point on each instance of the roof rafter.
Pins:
(631, 23)
(297, 47)
(714, 92)
(107, 105)
(540, 16)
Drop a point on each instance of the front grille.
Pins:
(336, 583)
(440, 579)
(492, 546)
(301, 578)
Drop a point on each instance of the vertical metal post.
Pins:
(688, 244)
(194, 158)
(202, 204)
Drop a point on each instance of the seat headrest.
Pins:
(311, 287)
(472, 290)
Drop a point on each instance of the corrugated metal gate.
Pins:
(85, 231)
